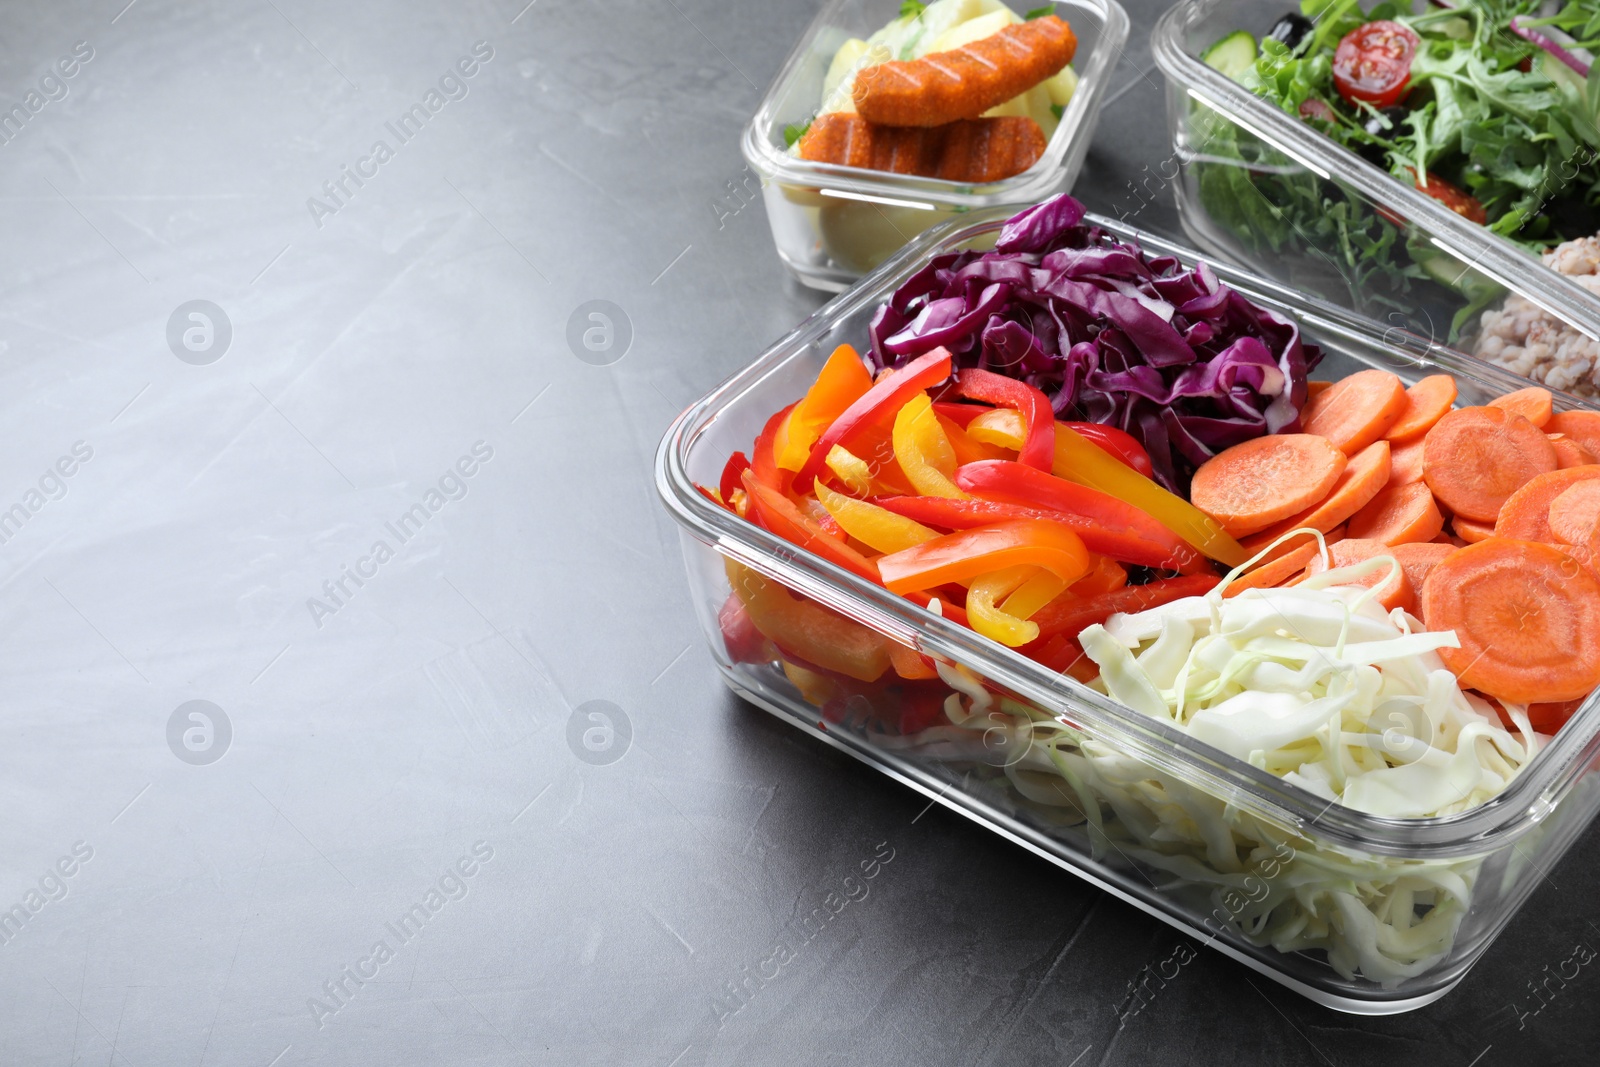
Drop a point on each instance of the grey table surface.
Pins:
(405, 733)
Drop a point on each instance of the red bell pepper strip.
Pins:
(1064, 655)
(1072, 615)
(960, 414)
(1039, 447)
(886, 396)
(778, 514)
(765, 461)
(1015, 483)
(968, 553)
(1120, 544)
(1119, 443)
(737, 464)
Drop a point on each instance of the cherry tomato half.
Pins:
(1461, 202)
(1373, 63)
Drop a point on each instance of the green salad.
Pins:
(1488, 106)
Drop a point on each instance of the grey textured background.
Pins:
(429, 714)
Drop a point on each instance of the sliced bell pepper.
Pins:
(1104, 576)
(960, 414)
(764, 461)
(922, 450)
(1072, 615)
(1080, 461)
(1119, 444)
(1015, 483)
(1119, 544)
(909, 663)
(948, 608)
(967, 448)
(1039, 444)
(808, 630)
(779, 515)
(1041, 588)
(988, 618)
(812, 509)
(877, 528)
(886, 395)
(843, 381)
(744, 643)
(737, 464)
(850, 469)
(1064, 655)
(968, 553)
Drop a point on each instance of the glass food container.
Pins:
(1265, 189)
(833, 223)
(1193, 836)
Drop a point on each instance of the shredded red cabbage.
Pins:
(1171, 355)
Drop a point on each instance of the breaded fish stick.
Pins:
(964, 82)
(973, 150)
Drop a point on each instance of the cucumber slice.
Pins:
(1233, 55)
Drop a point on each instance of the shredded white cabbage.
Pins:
(1314, 683)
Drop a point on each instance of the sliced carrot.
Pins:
(1448, 538)
(1474, 458)
(1582, 426)
(1394, 588)
(1405, 462)
(1471, 532)
(1532, 403)
(1569, 453)
(1275, 572)
(1527, 617)
(1575, 514)
(1313, 389)
(1418, 559)
(1256, 483)
(1363, 478)
(1357, 410)
(1526, 515)
(1398, 515)
(1427, 400)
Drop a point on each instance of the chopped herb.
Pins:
(794, 131)
(910, 9)
(1040, 12)
(1057, 110)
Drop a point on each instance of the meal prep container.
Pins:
(832, 223)
(1285, 840)
(1209, 114)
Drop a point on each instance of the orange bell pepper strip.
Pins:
(1039, 443)
(807, 630)
(779, 515)
(968, 449)
(842, 381)
(885, 396)
(968, 553)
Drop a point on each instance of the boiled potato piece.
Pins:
(973, 30)
(1062, 85)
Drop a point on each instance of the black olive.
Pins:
(1396, 117)
(1291, 30)
(1373, 154)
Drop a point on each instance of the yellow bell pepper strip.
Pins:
(1040, 588)
(843, 381)
(779, 515)
(923, 451)
(875, 527)
(991, 621)
(850, 469)
(808, 631)
(764, 460)
(1013, 483)
(1039, 441)
(1080, 461)
(966, 448)
(886, 396)
(966, 554)
(812, 509)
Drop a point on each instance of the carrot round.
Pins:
(1526, 515)
(1582, 426)
(1448, 538)
(1471, 532)
(1427, 400)
(1527, 617)
(1357, 410)
(1256, 483)
(1405, 462)
(1474, 458)
(1275, 571)
(1417, 560)
(1398, 515)
(1569, 453)
(1575, 514)
(1394, 588)
(1364, 476)
(1313, 389)
(1532, 403)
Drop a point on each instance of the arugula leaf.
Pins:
(1039, 12)
(794, 131)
